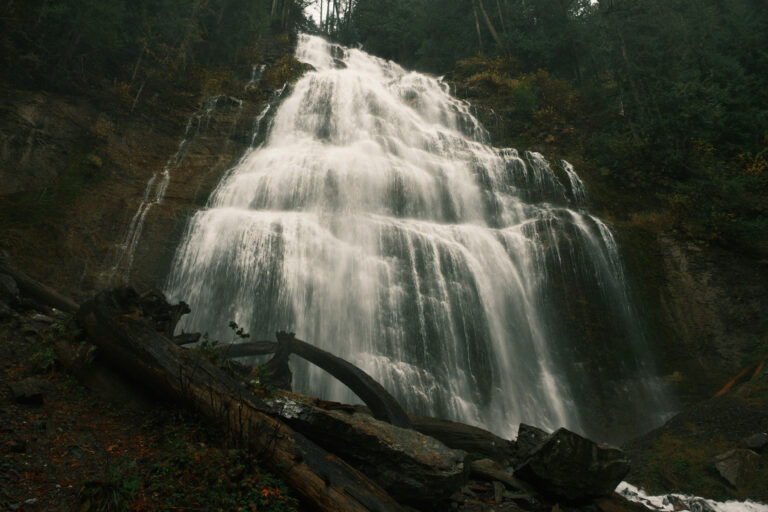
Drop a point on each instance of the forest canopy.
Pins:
(666, 98)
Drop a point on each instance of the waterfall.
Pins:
(377, 222)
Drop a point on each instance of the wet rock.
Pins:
(757, 442)
(43, 319)
(9, 291)
(29, 391)
(574, 468)
(9, 294)
(59, 315)
(694, 504)
(528, 439)
(737, 466)
(498, 491)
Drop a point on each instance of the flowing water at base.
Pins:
(378, 223)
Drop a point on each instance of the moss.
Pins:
(674, 462)
(80, 172)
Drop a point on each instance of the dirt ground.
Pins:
(65, 446)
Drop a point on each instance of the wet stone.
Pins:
(757, 442)
(29, 391)
(697, 504)
(5, 311)
(573, 467)
(737, 466)
(528, 439)
(43, 319)
(9, 291)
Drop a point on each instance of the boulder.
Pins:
(5, 311)
(29, 391)
(9, 290)
(757, 442)
(690, 503)
(737, 466)
(573, 468)
(528, 439)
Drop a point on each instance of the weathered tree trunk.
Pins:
(477, 25)
(407, 464)
(464, 437)
(37, 291)
(491, 28)
(383, 405)
(113, 322)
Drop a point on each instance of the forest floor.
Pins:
(64, 446)
(78, 437)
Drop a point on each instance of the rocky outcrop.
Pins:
(713, 302)
(738, 466)
(74, 171)
(705, 449)
(574, 468)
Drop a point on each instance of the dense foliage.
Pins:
(66, 43)
(663, 102)
(665, 99)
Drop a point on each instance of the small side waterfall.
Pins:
(378, 223)
(157, 185)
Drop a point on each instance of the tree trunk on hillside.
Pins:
(491, 28)
(113, 322)
(477, 25)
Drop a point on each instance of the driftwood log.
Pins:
(113, 322)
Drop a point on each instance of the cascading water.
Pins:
(377, 223)
(157, 185)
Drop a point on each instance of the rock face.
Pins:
(737, 466)
(574, 468)
(74, 171)
(712, 306)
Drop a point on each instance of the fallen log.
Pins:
(113, 322)
(407, 464)
(383, 406)
(38, 291)
(490, 470)
(464, 437)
